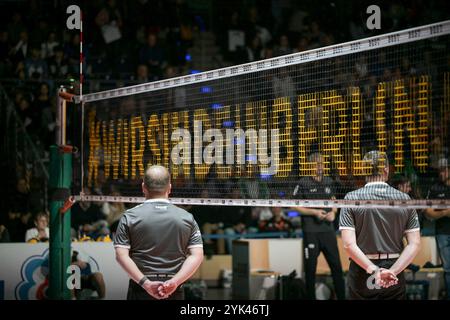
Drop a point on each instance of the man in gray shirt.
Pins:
(158, 244)
(373, 237)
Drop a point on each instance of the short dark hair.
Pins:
(39, 215)
(398, 180)
(156, 179)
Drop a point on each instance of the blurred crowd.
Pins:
(128, 42)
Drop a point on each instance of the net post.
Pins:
(61, 117)
(59, 191)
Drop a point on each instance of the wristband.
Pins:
(142, 281)
(372, 269)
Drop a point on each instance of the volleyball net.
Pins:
(253, 134)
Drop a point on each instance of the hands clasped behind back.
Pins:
(159, 289)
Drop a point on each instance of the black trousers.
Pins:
(313, 244)
(136, 292)
(363, 288)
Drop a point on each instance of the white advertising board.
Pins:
(24, 269)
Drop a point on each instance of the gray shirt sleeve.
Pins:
(346, 220)
(196, 237)
(413, 222)
(122, 237)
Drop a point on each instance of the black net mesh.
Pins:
(254, 135)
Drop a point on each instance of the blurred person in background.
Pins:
(239, 221)
(278, 222)
(210, 221)
(113, 212)
(319, 234)
(40, 233)
(4, 234)
(90, 279)
(88, 219)
(441, 190)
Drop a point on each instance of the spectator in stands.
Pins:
(209, 219)
(16, 27)
(20, 198)
(181, 186)
(302, 45)
(254, 50)
(283, 47)
(250, 184)
(19, 72)
(35, 67)
(238, 221)
(176, 96)
(42, 100)
(268, 52)
(72, 53)
(361, 67)
(48, 47)
(153, 56)
(17, 224)
(278, 222)
(4, 234)
(297, 19)
(110, 13)
(5, 63)
(11, 224)
(113, 212)
(235, 40)
(90, 279)
(88, 220)
(29, 116)
(262, 213)
(47, 108)
(39, 33)
(264, 35)
(58, 65)
(316, 36)
(20, 50)
(40, 233)
(142, 74)
(441, 190)
(283, 85)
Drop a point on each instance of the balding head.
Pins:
(377, 165)
(156, 182)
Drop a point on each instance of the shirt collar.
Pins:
(157, 200)
(368, 184)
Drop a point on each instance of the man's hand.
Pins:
(153, 289)
(385, 278)
(168, 287)
(331, 215)
(321, 214)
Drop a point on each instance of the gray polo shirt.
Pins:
(158, 235)
(379, 230)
